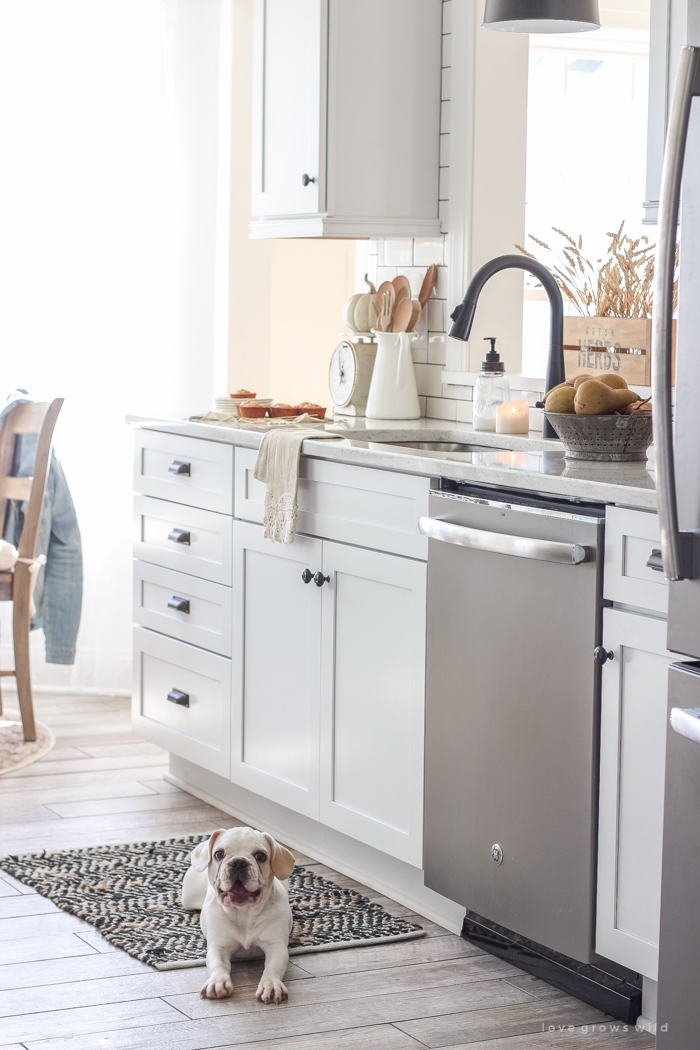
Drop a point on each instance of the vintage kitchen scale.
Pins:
(350, 373)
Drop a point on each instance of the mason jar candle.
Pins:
(513, 417)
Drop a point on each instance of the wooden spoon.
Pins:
(402, 316)
(415, 315)
(402, 282)
(403, 293)
(387, 287)
(428, 285)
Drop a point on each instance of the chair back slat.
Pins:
(15, 488)
(27, 417)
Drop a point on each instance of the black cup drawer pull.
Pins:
(175, 696)
(180, 536)
(181, 604)
(654, 560)
(179, 466)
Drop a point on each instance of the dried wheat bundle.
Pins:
(619, 286)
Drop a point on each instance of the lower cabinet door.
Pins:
(182, 699)
(373, 698)
(632, 765)
(276, 668)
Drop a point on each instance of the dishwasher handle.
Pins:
(500, 543)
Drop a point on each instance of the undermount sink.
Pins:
(444, 446)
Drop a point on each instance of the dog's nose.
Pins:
(238, 864)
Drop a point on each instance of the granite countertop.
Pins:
(529, 463)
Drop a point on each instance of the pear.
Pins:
(614, 381)
(559, 386)
(594, 398)
(638, 408)
(581, 379)
(560, 399)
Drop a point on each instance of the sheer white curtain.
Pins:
(113, 125)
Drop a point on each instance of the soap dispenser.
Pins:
(491, 390)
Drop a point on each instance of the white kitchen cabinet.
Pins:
(373, 698)
(346, 118)
(329, 684)
(632, 763)
(276, 668)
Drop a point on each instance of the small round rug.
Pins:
(15, 751)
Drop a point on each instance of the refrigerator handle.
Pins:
(676, 547)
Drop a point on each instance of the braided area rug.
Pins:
(131, 894)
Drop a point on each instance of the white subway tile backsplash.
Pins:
(429, 379)
(446, 89)
(465, 411)
(444, 150)
(419, 354)
(456, 355)
(459, 393)
(444, 186)
(428, 250)
(444, 117)
(525, 395)
(436, 349)
(444, 212)
(447, 16)
(441, 408)
(536, 418)
(446, 50)
(436, 315)
(386, 273)
(398, 252)
(422, 401)
(373, 244)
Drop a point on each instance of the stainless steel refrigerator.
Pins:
(678, 482)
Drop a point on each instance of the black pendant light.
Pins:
(542, 16)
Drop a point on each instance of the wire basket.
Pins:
(609, 439)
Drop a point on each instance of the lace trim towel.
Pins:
(277, 465)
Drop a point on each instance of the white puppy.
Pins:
(235, 878)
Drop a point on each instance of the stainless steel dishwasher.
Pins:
(514, 616)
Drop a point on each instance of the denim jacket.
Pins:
(58, 593)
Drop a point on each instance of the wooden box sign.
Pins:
(611, 344)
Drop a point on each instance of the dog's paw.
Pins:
(271, 990)
(217, 988)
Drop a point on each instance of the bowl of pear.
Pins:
(600, 419)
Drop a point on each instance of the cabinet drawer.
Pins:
(339, 501)
(206, 550)
(630, 538)
(198, 726)
(206, 470)
(181, 606)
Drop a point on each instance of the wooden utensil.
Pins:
(402, 293)
(402, 282)
(428, 284)
(415, 315)
(375, 311)
(387, 303)
(402, 316)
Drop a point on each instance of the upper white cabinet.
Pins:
(346, 118)
(668, 33)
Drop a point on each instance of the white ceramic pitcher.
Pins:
(392, 391)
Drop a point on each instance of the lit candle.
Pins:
(513, 417)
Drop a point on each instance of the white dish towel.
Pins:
(278, 466)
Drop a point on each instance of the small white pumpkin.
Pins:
(358, 314)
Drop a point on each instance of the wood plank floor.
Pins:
(63, 987)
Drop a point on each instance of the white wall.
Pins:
(109, 127)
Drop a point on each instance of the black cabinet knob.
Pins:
(306, 179)
(320, 579)
(175, 696)
(181, 604)
(655, 561)
(178, 466)
(180, 536)
(602, 655)
(307, 576)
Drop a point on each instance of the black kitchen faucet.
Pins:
(463, 315)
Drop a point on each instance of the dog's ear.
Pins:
(281, 860)
(201, 854)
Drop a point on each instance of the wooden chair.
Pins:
(26, 417)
